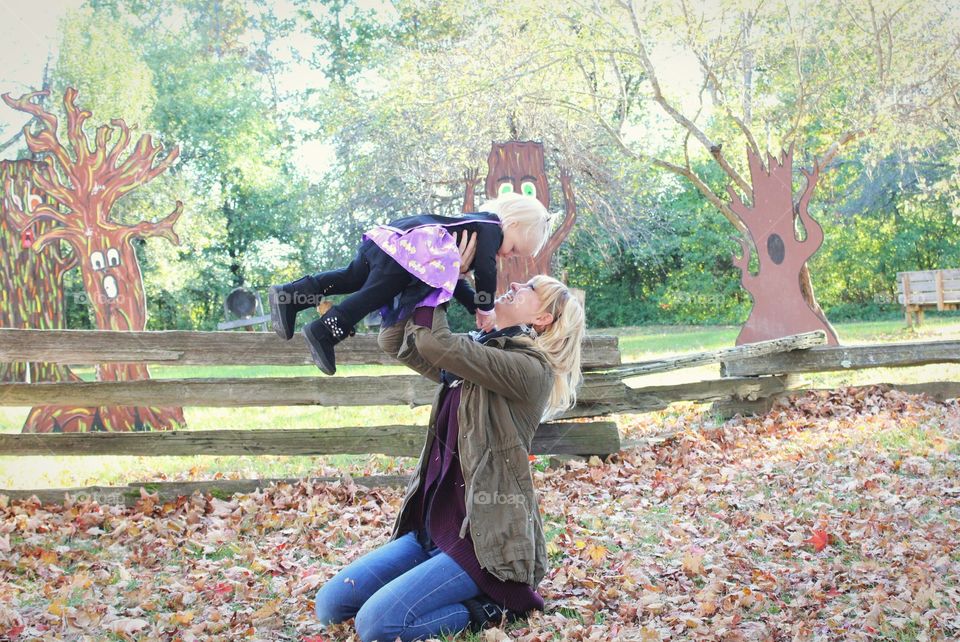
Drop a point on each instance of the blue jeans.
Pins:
(398, 590)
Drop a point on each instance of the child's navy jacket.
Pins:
(489, 240)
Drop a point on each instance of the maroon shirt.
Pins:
(442, 505)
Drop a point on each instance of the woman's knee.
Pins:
(330, 604)
(377, 620)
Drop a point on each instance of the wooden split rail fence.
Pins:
(753, 376)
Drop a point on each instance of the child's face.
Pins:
(516, 242)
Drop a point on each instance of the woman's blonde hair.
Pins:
(523, 211)
(561, 341)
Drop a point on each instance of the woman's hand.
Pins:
(487, 322)
(468, 248)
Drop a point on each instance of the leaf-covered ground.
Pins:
(834, 517)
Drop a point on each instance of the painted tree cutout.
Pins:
(779, 305)
(87, 182)
(519, 166)
(31, 282)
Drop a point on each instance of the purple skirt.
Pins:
(428, 252)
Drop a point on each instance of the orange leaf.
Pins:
(818, 540)
(223, 588)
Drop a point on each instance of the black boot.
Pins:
(287, 299)
(324, 333)
(483, 610)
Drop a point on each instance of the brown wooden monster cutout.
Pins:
(519, 166)
(85, 178)
(779, 305)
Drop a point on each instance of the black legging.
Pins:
(371, 284)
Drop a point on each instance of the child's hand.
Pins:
(486, 322)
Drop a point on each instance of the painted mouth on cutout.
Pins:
(110, 287)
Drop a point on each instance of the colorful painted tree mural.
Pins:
(87, 181)
(519, 166)
(31, 282)
(780, 305)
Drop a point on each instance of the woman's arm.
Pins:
(514, 375)
(391, 341)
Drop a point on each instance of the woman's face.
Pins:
(520, 304)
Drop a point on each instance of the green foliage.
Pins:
(407, 95)
(99, 58)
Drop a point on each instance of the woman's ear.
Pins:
(542, 321)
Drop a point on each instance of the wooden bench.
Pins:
(923, 289)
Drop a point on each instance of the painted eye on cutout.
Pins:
(113, 257)
(505, 188)
(528, 188)
(96, 260)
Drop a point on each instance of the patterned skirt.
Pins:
(430, 254)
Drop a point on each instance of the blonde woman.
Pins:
(467, 546)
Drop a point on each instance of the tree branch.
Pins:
(162, 229)
(46, 140)
(709, 145)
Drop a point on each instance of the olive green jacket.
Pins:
(507, 383)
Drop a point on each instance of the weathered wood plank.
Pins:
(931, 298)
(188, 348)
(930, 285)
(651, 398)
(826, 358)
(386, 390)
(169, 491)
(923, 275)
(745, 351)
(598, 437)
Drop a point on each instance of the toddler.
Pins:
(413, 262)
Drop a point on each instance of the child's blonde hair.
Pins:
(524, 211)
(561, 341)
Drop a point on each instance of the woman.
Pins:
(468, 544)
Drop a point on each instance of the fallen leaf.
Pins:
(818, 540)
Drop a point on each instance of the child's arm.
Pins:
(465, 294)
(489, 239)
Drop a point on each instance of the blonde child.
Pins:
(409, 263)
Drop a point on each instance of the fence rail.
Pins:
(555, 438)
(827, 358)
(385, 390)
(190, 348)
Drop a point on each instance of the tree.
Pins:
(87, 182)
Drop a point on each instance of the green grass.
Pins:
(640, 343)
(636, 344)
